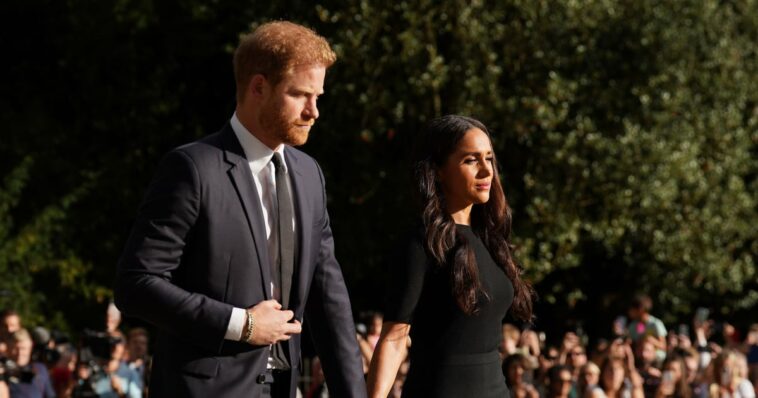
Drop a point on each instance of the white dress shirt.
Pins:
(259, 159)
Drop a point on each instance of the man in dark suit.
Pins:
(232, 249)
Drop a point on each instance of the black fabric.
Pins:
(286, 234)
(286, 261)
(452, 354)
(276, 383)
(198, 249)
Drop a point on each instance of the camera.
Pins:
(99, 344)
(95, 350)
(11, 373)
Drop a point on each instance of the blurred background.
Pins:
(626, 132)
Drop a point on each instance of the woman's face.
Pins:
(675, 370)
(613, 376)
(515, 373)
(577, 357)
(466, 176)
(591, 376)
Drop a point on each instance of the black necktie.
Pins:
(286, 234)
(286, 249)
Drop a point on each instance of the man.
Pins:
(11, 322)
(644, 324)
(31, 379)
(137, 354)
(232, 248)
(561, 383)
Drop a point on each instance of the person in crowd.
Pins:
(530, 346)
(374, 329)
(11, 322)
(119, 378)
(4, 392)
(232, 247)
(317, 388)
(548, 358)
(137, 356)
(112, 319)
(644, 324)
(694, 374)
(62, 373)
(647, 364)
(751, 351)
(33, 381)
(515, 366)
(673, 382)
(618, 376)
(729, 376)
(575, 359)
(367, 340)
(511, 336)
(588, 381)
(456, 278)
(600, 350)
(570, 340)
(560, 382)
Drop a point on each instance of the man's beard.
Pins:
(286, 130)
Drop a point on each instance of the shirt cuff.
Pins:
(236, 324)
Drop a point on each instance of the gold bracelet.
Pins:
(248, 335)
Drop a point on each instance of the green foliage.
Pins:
(625, 131)
(31, 254)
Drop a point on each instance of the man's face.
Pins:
(288, 110)
(22, 352)
(12, 323)
(562, 386)
(137, 347)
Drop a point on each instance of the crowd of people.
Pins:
(37, 363)
(642, 358)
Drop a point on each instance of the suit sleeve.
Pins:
(153, 254)
(330, 319)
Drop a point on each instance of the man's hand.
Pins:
(271, 324)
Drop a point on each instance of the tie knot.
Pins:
(278, 162)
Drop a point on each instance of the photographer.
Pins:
(102, 371)
(25, 379)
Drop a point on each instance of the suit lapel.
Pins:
(304, 228)
(242, 178)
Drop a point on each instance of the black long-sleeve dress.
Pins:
(452, 354)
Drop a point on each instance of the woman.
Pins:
(454, 283)
(618, 377)
(730, 376)
(587, 382)
(674, 380)
(514, 368)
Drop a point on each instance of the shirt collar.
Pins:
(257, 153)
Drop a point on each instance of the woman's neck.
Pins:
(461, 215)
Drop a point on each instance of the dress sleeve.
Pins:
(407, 273)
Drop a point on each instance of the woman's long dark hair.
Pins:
(490, 221)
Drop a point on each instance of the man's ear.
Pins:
(258, 85)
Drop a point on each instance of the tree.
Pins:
(626, 131)
(32, 257)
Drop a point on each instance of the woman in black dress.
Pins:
(456, 279)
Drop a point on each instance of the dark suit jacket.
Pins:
(198, 248)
